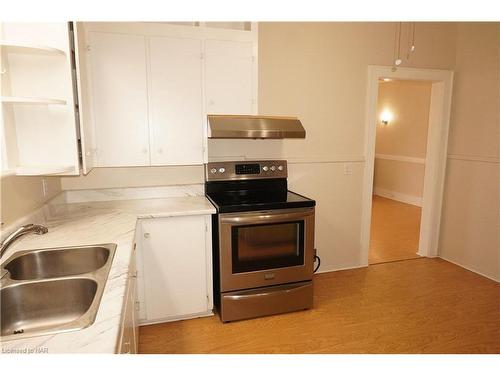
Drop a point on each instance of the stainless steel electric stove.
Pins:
(263, 240)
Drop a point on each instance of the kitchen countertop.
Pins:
(88, 223)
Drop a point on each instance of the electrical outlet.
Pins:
(347, 168)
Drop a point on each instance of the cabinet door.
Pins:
(119, 99)
(175, 269)
(87, 131)
(229, 78)
(176, 101)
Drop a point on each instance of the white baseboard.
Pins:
(469, 268)
(174, 319)
(410, 199)
(341, 268)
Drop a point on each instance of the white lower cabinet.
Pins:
(175, 268)
(129, 334)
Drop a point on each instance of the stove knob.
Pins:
(213, 170)
(273, 168)
(280, 167)
(222, 170)
(265, 168)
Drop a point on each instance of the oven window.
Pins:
(266, 246)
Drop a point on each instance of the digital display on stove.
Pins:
(247, 168)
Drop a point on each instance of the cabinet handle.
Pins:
(137, 305)
(134, 275)
(146, 235)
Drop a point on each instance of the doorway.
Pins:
(434, 160)
(400, 149)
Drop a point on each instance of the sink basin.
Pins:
(47, 291)
(45, 306)
(49, 263)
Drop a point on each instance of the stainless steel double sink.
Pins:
(47, 291)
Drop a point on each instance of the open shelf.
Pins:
(42, 170)
(27, 100)
(28, 48)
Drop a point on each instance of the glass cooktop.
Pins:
(257, 200)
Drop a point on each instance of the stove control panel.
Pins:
(240, 170)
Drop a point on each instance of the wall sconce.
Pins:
(385, 117)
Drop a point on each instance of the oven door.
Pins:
(264, 248)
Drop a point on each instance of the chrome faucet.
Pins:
(25, 229)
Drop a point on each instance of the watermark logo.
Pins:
(26, 350)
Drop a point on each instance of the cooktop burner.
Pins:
(253, 186)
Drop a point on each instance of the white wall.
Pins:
(399, 180)
(102, 178)
(470, 226)
(20, 196)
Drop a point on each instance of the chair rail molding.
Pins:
(403, 158)
(475, 158)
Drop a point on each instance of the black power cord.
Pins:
(317, 258)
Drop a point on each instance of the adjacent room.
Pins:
(400, 157)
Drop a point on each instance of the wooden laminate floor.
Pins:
(414, 306)
(395, 230)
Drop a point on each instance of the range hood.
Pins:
(245, 126)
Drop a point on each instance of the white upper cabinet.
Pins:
(119, 99)
(229, 77)
(146, 88)
(176, 97)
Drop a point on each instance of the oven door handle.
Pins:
(268, 217)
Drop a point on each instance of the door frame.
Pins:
(436, 154)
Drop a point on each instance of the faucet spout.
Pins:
(25, 229)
